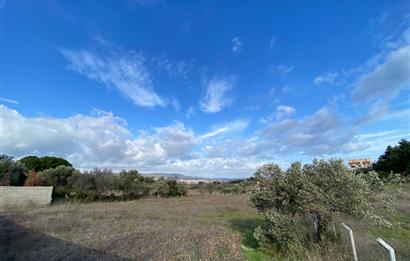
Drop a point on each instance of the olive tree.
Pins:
(319, 190)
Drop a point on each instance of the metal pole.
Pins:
(388, 247)
(351, 241)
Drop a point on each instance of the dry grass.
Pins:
(398, 236)
(190, 228)
(198, 227)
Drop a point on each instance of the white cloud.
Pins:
(386, 79)
(233, 126)
(284, 111)
(322, 133)
(190, 112)
(284, 69)
(236, 45)
(215, 97)
(128, 72)
(288, 88)
(175, 68)
(2, 99)
(329, 78)
(103, 140)
(94, 141)
(272, 43)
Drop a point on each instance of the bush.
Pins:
(280, 233)
(12, 173)
(62, 178)
(176, 189)
(95, 185)
(319, 190)
(33, 179)
(133, 185)
(160, 188)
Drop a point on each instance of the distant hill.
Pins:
(179, 176)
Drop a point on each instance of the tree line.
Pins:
(96, 184)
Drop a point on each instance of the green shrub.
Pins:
(280, 233)
(319, 190)
(176, 189)
(62, 178)
(12, 173)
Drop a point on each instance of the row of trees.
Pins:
(15, 173)
(97, 184)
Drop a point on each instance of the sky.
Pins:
(204, 88)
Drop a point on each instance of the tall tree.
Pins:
(395, 159)
(31, 162)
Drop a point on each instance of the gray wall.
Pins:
(24, 196)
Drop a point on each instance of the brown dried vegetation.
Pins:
(188, 228)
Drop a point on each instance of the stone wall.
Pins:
(11, 196)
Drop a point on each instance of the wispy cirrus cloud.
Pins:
(190, 112)
(237, 45)
(215, 98)
(233, 126)
(329, 78)
(2, 99)
(284, 111)
(127, 71)
(283, 69)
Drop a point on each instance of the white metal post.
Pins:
(388, 247)
(351, 241)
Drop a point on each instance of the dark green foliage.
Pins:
(133, 185)
(280, 232)
(395, 159)
(39, 164)
(61, 177)
(92, 185)
(31, 162)
(95, 185)
(12, 173)
(176, 189)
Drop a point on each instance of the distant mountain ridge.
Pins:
(179, 176)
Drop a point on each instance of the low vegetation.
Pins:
(292, 214)
(97, 184)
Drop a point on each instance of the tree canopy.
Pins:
(40, 164)
(395, 159)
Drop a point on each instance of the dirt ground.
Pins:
(199, 227)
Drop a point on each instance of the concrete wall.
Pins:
(24, 196)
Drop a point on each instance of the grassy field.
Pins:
(187, 228)
(197, 227)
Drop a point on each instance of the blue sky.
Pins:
(209, 88)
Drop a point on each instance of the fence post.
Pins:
(388, 247)
(351, 241)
